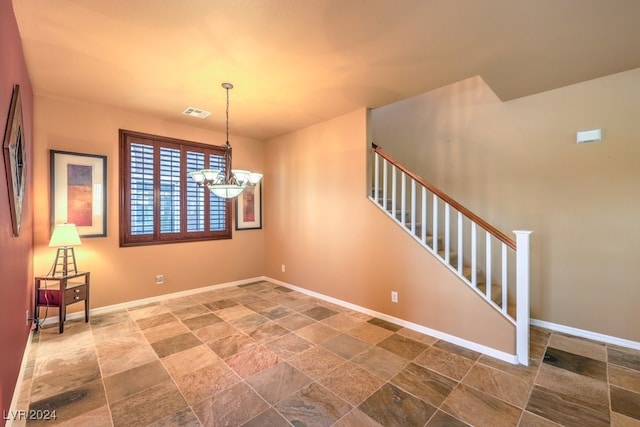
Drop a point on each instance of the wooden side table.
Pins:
(64, 290)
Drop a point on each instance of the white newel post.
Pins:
(523, 277)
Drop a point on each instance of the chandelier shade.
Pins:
(227, 183)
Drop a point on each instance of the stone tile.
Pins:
(316, 362)
(624, 378)
(215, 332)
(202, 383)
(527, 373)
(295, 321)
(149, 310)
(288, 346)
(71, 403)
(402, 346)
(157, 320)
(625, 402)
(445, 363)
(132, 381)
(442, 419)
(148, 406)
(232, 344)
(189, 360)
(100, 417)
(167, 330)
(317, 333)
(175, 344)
(270, 418)
(619, 420)
(345, 346)
(417, 336)
(380, 362)
(60, 372)
(356, 418)
(261, 304)
(191, 311)
(564, 409)
(198, 322)
(369, 333)
(626, 357)
(384, 324)
(477, 408)
(580, 346)
(532, 420)
(232, 407)
(283, 289)
(252, 361)
(278, 382)
(123, 353)
(183, 418)
(391, 406)
(586, 390)
(276, 312)
(221, 304)
(108, 319)
(113, 331)
(342, 322)
(235, 312)
(498, 384)
(424, 383)
(249, 322)
(175, 304)
(578, 364)
(352, 383)
(313, 405)
(456, 349)
(319, 313)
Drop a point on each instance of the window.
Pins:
(159, 203)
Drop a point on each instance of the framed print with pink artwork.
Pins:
(79, 192)
(249, 208)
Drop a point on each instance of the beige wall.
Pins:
(334, 241)
(517, 165)
(125, 274)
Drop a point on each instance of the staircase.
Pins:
(478, 253)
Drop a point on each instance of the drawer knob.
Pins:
(76, 298)
(77, 291)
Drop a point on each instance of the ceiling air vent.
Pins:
(196, 112)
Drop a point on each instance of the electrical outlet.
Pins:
(282, 268)
(394, 296)
(159, 279)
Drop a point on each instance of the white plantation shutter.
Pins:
(160, 203)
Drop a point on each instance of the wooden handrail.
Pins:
(473, 217)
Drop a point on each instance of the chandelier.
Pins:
(227, 183)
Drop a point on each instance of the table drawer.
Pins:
(78, 293)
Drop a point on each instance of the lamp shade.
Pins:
(64, 235)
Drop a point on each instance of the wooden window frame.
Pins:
(126, 237)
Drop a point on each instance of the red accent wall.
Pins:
(16, 253)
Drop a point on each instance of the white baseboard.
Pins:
(18, 388)
(124, 305)
(595, 336)
(509, 358)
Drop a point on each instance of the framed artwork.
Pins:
(249, 208)
(79, 192)
(15, 159)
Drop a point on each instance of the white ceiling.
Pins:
(298, 62)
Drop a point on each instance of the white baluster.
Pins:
(385, 184)
(447, 234)
(403, 203)
(487, 274)
(376, 177)
(460, 243)
(504, 278)
(474, 255)
(393, 190)
(413, 206)
(424, 216)
(435, 224)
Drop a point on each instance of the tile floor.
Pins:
(263, 355)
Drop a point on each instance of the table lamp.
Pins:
(64, 237)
